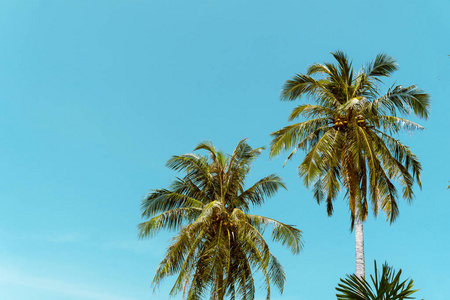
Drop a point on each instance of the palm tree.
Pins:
(219, 244)
(386, 286)
(348, 137)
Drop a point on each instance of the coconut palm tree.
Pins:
(348, 137)
(385, 286)
(219, 245)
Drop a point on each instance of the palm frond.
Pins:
(405, 100)
(163, 200)
(208, 146)
(311, 111)
(315, 162)
(304, 85)
(403, 155)
(394, 124)
(171, 220)
(291, 135)
(382, 66)
(286, 234)
(257, 193)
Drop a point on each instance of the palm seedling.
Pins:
(385, 286)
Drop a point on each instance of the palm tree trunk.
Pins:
(359, 244)
(357, 227)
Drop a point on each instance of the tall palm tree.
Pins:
(348, 137)
(219, 245)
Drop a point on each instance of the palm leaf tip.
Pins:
(206, 145)
(382, 66)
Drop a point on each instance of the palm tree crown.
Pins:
(348, 134)
(218, 244)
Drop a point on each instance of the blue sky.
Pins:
(97, 95)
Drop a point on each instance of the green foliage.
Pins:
(218, 245)
(385, 286)
(347, 134)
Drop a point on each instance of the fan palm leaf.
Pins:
(384, 286)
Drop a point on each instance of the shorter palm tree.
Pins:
(219, 244)
(386, 286)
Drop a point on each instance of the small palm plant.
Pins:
(219, 245)
(386, 286)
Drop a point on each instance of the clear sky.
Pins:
(97, 95)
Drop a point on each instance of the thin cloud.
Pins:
(63, 238)
(55, 286)
(136, 246)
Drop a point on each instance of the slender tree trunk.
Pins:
(357, 225)
(359, 244)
